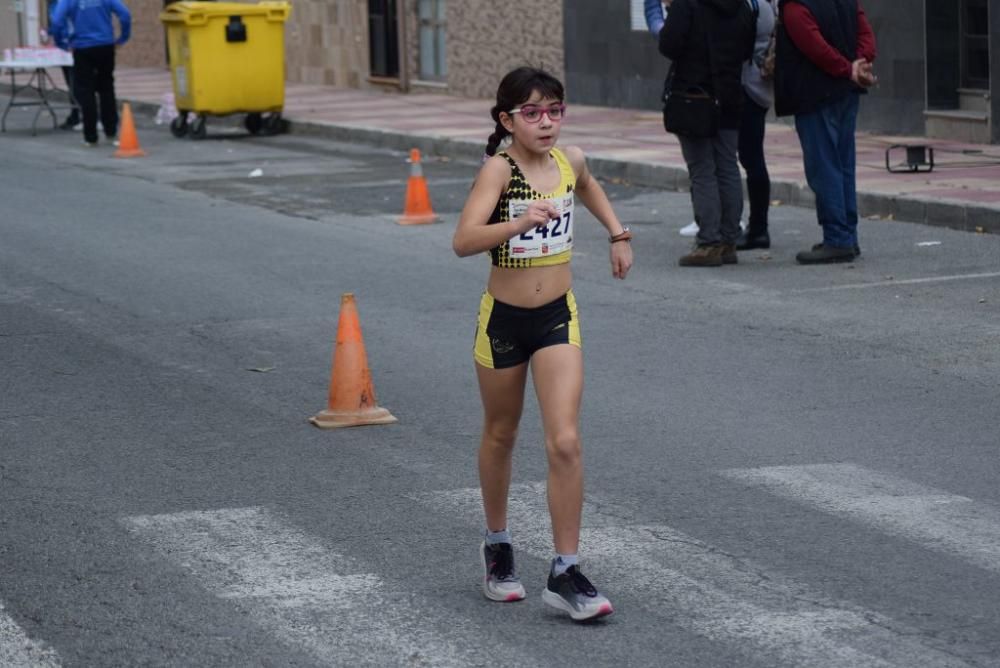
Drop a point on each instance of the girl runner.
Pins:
(521, 210)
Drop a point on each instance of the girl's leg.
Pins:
(557, 372)
(502, 393)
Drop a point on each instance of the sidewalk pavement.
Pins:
(962, 192)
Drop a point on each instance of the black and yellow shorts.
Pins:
(509, 335)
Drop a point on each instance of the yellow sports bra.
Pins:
(544, 246)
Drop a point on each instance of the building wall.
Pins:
(607, 63)
(326, 42)
(146, 47)
(896, 105)
(8, 26)
(995, 72)
(487, 38)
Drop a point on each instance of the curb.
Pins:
(875, 206)
(963, 216)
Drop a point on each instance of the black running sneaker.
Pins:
(573, 594)
(500, 582)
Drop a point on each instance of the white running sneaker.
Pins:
(500, 581)
(572, 593)
(691, 229)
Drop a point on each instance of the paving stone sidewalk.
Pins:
(962, 192)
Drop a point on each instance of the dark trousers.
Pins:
(716, 190)
(828, 153)
(751, 150)
(94, 74)
(74, 114)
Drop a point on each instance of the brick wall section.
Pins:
(326, 42)
(146, 47)
(486, 39)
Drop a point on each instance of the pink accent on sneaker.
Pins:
(513, 597)
(605, 609)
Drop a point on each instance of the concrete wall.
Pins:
(607, 63)
(995, 72)
(896, 105)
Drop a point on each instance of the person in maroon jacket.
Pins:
(825, 51)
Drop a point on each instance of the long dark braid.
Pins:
(516, 87)
(498, 134)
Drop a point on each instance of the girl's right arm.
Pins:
(474, 234)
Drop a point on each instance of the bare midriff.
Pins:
(531, 287)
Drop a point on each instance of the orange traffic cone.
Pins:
(418, 202)
(128, 142)
(352, 396)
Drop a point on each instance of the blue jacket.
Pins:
(81, 24)
(654, 16)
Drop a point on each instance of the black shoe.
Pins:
(572, 593)
(500, 581)
(857, 249)
(749, 241)
(70, 123)
(821, 254)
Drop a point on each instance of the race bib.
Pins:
(556, 237)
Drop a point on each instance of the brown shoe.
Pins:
(728, 254)
(702, 256)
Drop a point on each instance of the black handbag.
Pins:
(691, 113)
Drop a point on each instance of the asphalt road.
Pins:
(786, 466)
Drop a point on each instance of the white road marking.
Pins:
(309, 596)
(905, 281)
(17, 650)
(708, 592)
(948, 523)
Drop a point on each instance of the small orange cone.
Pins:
(352, 397)
(128, 142)
(418, 201)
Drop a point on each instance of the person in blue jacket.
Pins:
(93, 43)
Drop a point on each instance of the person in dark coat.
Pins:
(708, 41)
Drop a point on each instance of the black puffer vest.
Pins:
(800, 87)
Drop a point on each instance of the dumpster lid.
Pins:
(197, 13)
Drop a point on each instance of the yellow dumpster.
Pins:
(227, 58)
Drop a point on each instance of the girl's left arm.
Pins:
(593, 197)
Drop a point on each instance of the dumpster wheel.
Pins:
(274, 124)
(198, 129)
(179, 126)
(253, 123)
(265, 125)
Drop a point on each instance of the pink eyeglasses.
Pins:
(532, 113)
